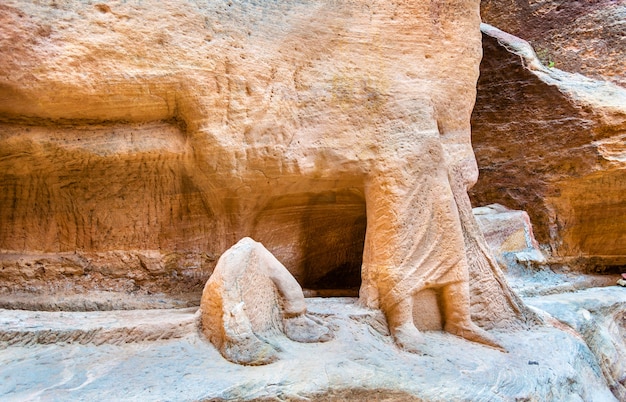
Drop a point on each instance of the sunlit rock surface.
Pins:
(249, 300)
(140, 140)
(361, 363)
(599, 315)
(509, 234)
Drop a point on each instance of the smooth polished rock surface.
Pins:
(599, 315)
(361, 363)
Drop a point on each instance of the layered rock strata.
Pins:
(510, 235)
(585, 37)
(553, 144)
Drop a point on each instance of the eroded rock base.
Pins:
(361, 363)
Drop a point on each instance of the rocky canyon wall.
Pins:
(585, 37)
(553, 142)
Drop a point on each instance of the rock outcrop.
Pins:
(328, 131)
(585, 37)
(553, 144)
(510, 235)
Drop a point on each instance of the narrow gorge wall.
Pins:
(552, 143)
(585, 37)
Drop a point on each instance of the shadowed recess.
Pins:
(319, 237)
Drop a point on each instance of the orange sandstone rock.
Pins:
(326, 130)
(250, 298)
(552, 143)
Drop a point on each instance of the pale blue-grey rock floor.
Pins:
(362, 363)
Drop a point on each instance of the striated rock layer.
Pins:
(553, 144)
(509, 235)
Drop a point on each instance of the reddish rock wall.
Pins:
(553, 144)
(584, 37)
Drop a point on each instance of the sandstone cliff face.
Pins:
(554, 144)
(569, 148)
(140, 140)
(584, 37)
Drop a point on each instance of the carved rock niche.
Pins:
(319, 237)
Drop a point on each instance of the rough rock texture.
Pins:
(584, 37)
(251, 298)
(553, 144)
(26, 328)
(545, 280)
(361, 363)
(157, 129)
(69, 299)
(509, 234)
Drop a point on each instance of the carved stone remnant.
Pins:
(336, 134)
(252, 297)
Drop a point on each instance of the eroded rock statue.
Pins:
(240, 118)
(415, 242)
(251, 295)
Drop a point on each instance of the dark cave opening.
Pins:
(320, 238)
(332, 265)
